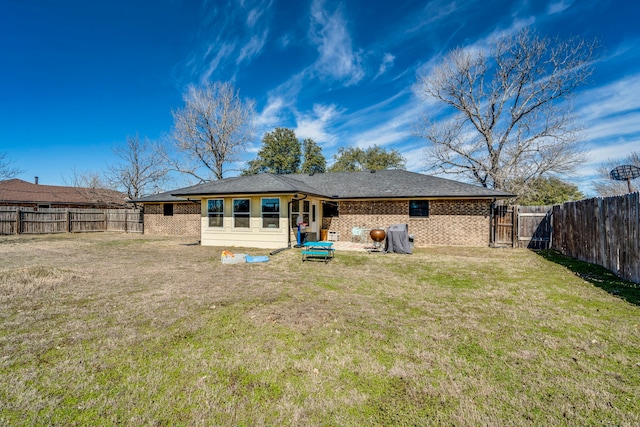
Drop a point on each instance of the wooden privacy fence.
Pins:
(15, 220)
(603, 231)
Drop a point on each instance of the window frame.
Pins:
(419, 212)
(167, 209)
(306, 214)
(218, 214)
(241, 214)
(270, 214)
(330, 209)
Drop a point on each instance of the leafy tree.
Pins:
(7, 170)
(510, 119)
(314, 160)
(211, 131)
(353, 159)
(605, 186)
(548, 191)
(281, 153)
(142, 169)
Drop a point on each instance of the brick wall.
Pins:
(450, 222)
(184, 222)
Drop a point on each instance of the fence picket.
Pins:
(603, 231)
(18, 220)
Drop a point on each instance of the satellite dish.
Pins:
(625, 173)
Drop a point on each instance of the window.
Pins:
(215, 212)
(271, 213)
(241, 213)
(167, 209)
(330, 209)
(419, 208)
(299, 209)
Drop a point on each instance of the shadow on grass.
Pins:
(596, 275)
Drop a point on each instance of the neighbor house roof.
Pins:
(383, 184)
(18, 191)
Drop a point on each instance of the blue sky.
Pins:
(78, 77)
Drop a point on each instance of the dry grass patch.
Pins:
(116, 329)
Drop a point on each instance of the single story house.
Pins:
(264, 210)
(167, 215)
(19, 193)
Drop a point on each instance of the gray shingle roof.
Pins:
(384, 184)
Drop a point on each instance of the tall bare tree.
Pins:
(509, 117)
(87, 179)
(211, 131)
(142, 168)
(94, 186)
(7, 170)
(605, 186)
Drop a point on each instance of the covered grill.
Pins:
(398, 239)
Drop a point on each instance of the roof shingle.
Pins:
(383, 184)
(19, 191)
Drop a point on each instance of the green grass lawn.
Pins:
(107, 329)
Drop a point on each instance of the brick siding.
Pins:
(184, 222)
(450, 222)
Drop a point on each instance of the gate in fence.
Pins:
(515, 226)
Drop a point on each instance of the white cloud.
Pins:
(288, 91)
(314, 125)
(415, 156)
(387, 61)
(228, 36)
(271, 114)
(615, 150)
(253, 16)
(225, 50)
(436, 11)
(611, 114)
(612, 99)
(285, 40)
(559, 6)
(252, 47)
(611, 128)
(388, 126)
(337, 58)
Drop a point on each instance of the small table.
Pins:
(317, 250)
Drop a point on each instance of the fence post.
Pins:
(514, 227)
(18, 221)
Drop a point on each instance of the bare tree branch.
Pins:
(7, 170)
(605, 186)
(510, 116)
(211, 131)
(142, 169)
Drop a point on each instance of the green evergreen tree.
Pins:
(548, 191)
(280, 153)
(314, 161)
(353, 159)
